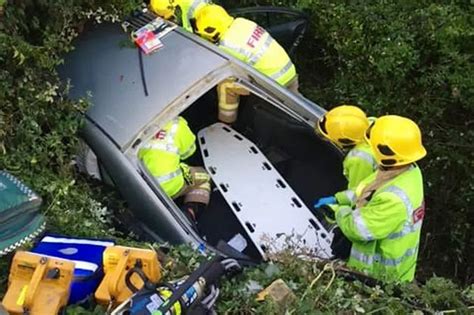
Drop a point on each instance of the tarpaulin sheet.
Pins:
(20, 219)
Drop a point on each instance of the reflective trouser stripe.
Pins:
(164, 178)
(199, 188)
(205, 186)
(282, 71)
(198, 194)
(201, 177)
(364, 156)
(229, 96)
(228, 107)
(371, 259)
(258, 56)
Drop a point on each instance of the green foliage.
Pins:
(411, 58)
(330, 295)
(415, 60)
(317, 290)
(38, 127)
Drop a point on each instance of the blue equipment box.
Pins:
(85, 253)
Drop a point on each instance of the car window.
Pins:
(270, 19)
(281, 18)
(286, 25)
(261, 18)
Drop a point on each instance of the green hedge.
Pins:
(410, 58)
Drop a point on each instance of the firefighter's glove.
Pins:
(188, 177)
(329, 213)
(325, 201)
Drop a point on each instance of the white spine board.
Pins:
(269, 210)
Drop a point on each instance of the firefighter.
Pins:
(183, 12)
(249, 43)
(163, 155)
(345, 126)
(384, 221)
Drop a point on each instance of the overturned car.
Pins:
(266, 169)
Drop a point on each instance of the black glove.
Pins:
(341, 245)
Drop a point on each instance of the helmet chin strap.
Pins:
(391, 168)
(347, 147)
(177, 15)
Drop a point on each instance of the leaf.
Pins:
(271, 270)
(359, 309)
(253, 287)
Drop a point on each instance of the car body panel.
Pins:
(106, 67)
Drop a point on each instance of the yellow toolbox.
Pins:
(38, 285)
(118, 260)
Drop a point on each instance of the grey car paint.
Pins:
(107, 68)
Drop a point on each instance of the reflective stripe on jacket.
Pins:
(358, 164)
(252, 44)
(189, 8)
(385, 233)
(162, 155)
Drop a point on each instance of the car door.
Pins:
(286, 25)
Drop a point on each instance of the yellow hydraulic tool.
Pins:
(38, 285)
(113, 289)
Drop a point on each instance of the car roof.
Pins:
(106, 66)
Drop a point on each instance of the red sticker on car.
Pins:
(147, 41)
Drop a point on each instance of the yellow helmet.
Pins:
(395, 141)
(163, 8)
(212, 22)
(344, 125)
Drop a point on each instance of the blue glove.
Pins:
(325, 201)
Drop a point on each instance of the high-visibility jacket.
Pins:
(189, 9)
(385, 232)
(162, 155)
(359, 163)
(252, 44)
